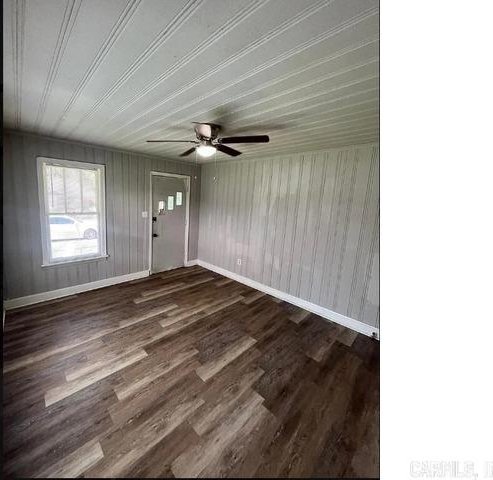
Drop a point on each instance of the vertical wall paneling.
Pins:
(318, 214)
(289, 229)
(127, 196)
(305, 224)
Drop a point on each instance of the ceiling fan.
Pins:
(208, 143)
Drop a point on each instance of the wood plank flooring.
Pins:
(186, 374)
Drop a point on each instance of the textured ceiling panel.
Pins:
(118, 72)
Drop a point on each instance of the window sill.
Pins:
(81, 260)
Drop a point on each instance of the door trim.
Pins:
(187, 212)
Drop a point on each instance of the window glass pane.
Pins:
(74, 235)
(73, 189)
(178, 198)
(55, 188)
(89, 190)
(171, 202)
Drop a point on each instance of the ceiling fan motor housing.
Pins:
(206, 131)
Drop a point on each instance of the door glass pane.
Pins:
(171, 202)
(178, 198)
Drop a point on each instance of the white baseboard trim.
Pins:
(191, 263)
(64, 292)
(335, 317)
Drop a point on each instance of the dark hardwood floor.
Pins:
(186, 374)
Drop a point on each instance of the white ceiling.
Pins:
(118, 72)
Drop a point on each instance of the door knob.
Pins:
(155, 235)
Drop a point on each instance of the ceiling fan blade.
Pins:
(227, 150)
(170, 141)
(245, 139)
(188, 152)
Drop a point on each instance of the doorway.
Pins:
(169, 221)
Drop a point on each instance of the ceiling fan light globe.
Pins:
(206, 150)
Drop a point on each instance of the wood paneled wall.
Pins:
(127, 196)
(305, 224)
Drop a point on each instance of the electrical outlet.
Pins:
(238, 261)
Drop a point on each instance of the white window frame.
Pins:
(44, 214)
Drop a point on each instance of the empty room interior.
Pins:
(191, 238)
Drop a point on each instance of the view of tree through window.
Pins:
(73, 211)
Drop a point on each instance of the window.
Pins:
(179, 199)
(73, 223)
(171, 201)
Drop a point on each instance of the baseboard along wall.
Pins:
(64, 292)
(335, 317)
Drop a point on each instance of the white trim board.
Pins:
(64, 292)
(335, 317)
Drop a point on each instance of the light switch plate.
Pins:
(144, 214)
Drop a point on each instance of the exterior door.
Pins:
(169, 217)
